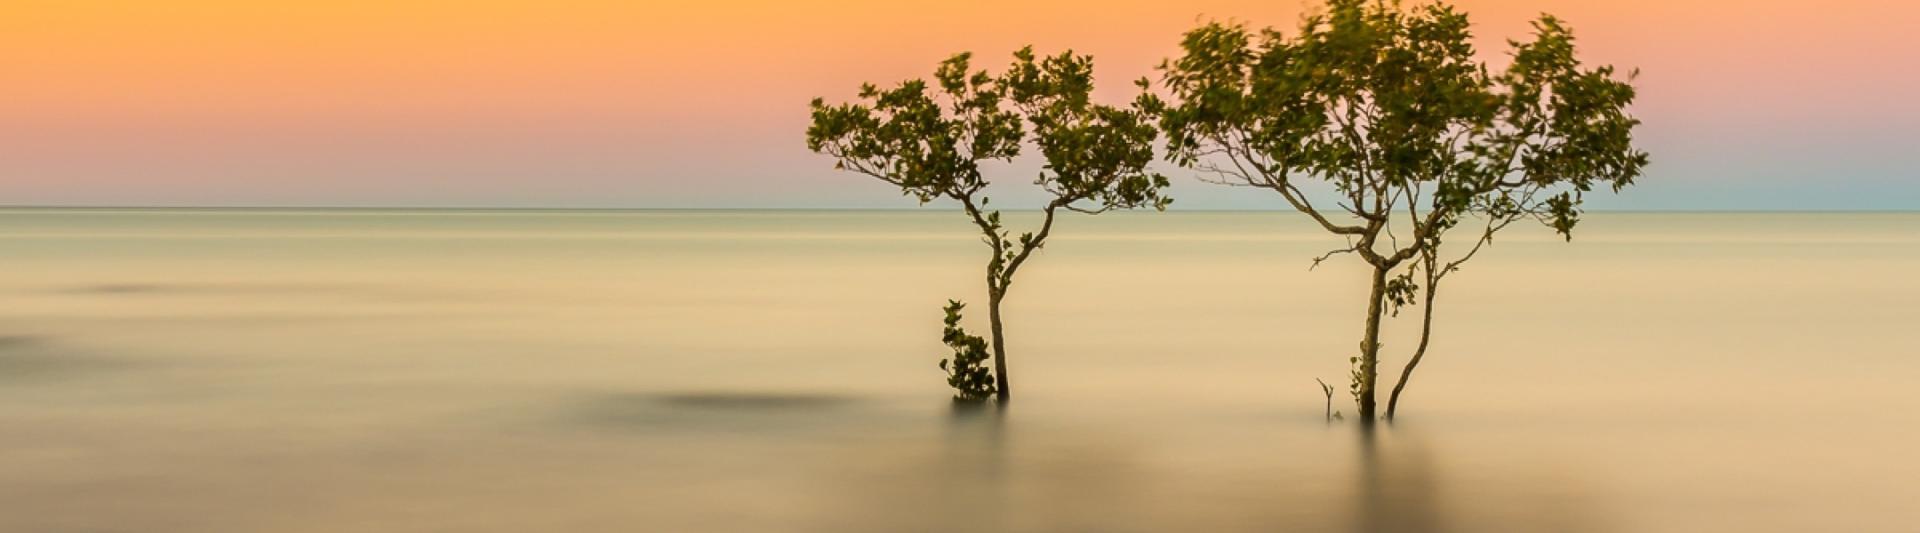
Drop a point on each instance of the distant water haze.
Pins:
(394, 370)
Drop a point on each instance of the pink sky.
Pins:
(1751, 104)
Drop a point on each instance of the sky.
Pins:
(1748, 104)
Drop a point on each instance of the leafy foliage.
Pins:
(930, 139)
(909, 137)
(1382, 103)
(1401, 291)
(1388, 107)
(1094, 152)
(966, 371)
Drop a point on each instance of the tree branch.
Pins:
(1027, 246)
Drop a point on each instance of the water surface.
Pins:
(376, 370)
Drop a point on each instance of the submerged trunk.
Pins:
(999, 346)
(1369, 370)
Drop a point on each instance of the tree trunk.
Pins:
(1370, 346)
(999, 347)
(1426, 333)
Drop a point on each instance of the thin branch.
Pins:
(1351, 248)
(1034, 243)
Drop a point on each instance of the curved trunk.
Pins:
(1369, 371)
(1426, 333)
(999, 347)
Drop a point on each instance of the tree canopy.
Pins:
(930, 139)
(1391, 109)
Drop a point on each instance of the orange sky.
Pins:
(689, 103)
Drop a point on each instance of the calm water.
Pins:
(400, 371)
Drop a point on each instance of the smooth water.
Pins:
(400, 371)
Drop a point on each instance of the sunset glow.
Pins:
(658, 104)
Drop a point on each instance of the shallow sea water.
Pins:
(387, 370)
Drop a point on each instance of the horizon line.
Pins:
(802, 208)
